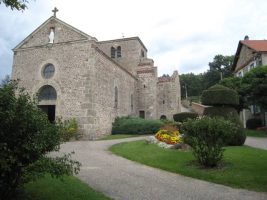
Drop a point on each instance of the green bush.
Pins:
(26, 137)
(69, 129)
(220, 95)
(183, 116)
(237, 137)
(132, 125)
(206, 137)
(253, 123)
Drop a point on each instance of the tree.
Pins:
(255, 86)
(223, 64)
(235, 83)
(191, 84)
(26, 136)
(15, 4)
(210, 78)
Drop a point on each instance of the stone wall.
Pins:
(245, 58)
(63, 33)
(131, 49)
(198, 108)
(71, 78)
(147, 90)
(109, 75)
(168, 96)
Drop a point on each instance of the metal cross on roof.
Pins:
(55, 11)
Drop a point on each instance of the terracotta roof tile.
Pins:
(258, 45)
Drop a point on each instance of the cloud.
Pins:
(179, 35)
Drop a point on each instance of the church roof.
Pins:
(259, 46)
(125, 39)
(45, 23)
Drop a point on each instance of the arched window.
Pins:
(48, 71)
(112, 52)
(118, 51)
(47, 92)
(116, 98)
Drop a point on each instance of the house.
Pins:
(250, 54)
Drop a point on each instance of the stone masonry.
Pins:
(94, 81)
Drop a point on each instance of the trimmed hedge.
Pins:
(134, 125)
(183, 116)
(254, 123)
(238, 136)
(220, 95)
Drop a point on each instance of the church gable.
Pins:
(53, 31)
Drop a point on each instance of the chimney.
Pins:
(246, 37)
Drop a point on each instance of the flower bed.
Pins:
(169, 137)
(169, 134)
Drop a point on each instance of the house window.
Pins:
(163, 102)
(116, 98)
(47, 92)
(118, 51)
(144, 86)
(112, 52)
(48, 71)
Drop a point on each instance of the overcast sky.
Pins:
(179, 35)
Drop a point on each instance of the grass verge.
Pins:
(69, 188)
(255, 133)
(244, 167)
(119, 136)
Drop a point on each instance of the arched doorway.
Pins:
(47, 97)
(163, 117)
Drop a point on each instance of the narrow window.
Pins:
(163, 102)
(142, 53)
(131, 102)
(118, 51)
(142, 114)
(112, 52)
(144, 86)
(48, 71)
(116, 98)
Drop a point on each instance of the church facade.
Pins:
(77, 76)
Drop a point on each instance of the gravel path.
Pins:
(123, 179)
(257, 142)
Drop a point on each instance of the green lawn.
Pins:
(119, 136)
(244, 167)
(255, 133)
(70, 188)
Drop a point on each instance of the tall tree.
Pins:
(222, 64)
(191, 84)
(15, 4)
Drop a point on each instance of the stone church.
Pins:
(77, 76)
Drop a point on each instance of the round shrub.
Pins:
(220, 95)
(253, 123)
(183, 116)
(237, 137)
(206, 136)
